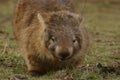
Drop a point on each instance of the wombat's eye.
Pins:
(52, 39)
(52, 43)
(75, 41)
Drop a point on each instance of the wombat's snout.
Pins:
(64, 55)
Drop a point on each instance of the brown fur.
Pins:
(36, 20)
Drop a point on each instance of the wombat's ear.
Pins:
(41, 19)
(77, 16)
(80, 19)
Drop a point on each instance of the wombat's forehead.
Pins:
(61, 31)
(63, 20)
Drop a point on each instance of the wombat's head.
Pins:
(63, 37)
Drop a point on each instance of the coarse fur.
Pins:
(50, 34)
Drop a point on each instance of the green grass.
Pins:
(102, 21)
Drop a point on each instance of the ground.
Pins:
(102, 61)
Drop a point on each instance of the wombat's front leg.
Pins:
(34, 68)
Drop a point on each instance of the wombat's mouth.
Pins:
(63, 59)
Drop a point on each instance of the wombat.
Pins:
(50, 34)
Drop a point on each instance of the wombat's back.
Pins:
(26, 11)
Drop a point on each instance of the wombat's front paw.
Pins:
(34, 73)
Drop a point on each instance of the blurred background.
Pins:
(101, 17)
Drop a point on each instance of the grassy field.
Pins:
(101, 63)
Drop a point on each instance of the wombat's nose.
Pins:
(63, 55)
